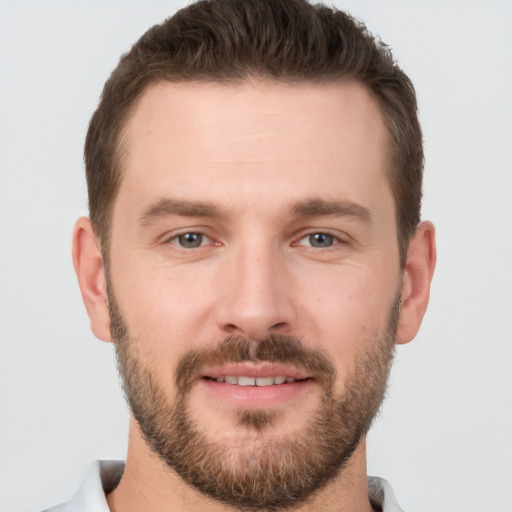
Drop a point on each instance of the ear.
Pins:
(90, 271)
(416, 279)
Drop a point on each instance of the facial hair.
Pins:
(256, 473)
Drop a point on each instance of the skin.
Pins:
(254, 151)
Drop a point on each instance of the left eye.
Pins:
(190, 240)
(319, 240)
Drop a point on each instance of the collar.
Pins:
(104, 476)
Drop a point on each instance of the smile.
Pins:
(255, 386)
(244, 380)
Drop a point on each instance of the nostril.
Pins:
(231, 328)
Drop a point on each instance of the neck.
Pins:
(149, 484)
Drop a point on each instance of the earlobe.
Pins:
(417, 276)
(90, 271)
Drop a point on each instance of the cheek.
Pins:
(348, 313)
(168, 308)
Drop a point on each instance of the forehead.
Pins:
(200, 138)
(183, 109)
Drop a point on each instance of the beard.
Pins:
(256, 472)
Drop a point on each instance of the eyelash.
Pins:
(335, 239)
(174, 240)
(329, 237)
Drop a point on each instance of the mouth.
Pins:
(255, 374)
(251, 386)
(246, 380)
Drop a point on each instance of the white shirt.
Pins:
(104, 476)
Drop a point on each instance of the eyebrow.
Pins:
(321, 207)
(168, 207)
(309, 208)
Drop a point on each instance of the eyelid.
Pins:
(339, 237)
(171, 238)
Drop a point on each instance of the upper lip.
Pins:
(255, 370)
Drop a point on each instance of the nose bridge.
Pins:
(256, 300)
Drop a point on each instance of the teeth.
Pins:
(243, 380)
(246, 381)
(264, 381)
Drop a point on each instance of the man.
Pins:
(254, 250)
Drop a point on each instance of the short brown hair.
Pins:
(232, 40)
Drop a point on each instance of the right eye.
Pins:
(319, 240)
(191, 240)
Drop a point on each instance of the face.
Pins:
(254, 277)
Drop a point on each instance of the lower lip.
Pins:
(256, 397)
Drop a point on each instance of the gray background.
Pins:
(444, 440)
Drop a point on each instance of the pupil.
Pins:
(321, 240)
(190, 240)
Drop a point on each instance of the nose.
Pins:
(256, 294)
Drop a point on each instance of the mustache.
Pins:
(239, 349)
